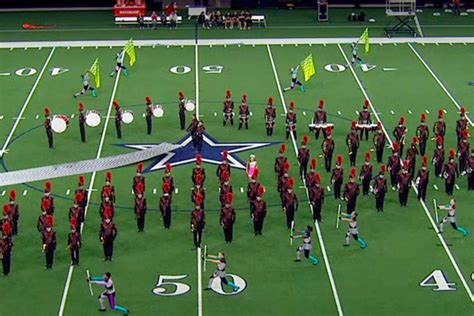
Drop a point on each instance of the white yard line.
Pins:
(198, 251)
(316, 224)
(199, 276)
(427, 212)
(27, 102)
(438, 81)
(89, 191)
(236, 41)
(418, 26)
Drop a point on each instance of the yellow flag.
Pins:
(95, 70)
(307, 65)
(365, 38)
(130, 50)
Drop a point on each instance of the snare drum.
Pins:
(190, 105)
(59, 123)
(127, 117)
(93, 118)
(157, 110)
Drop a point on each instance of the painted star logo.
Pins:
(211, 152)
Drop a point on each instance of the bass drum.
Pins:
(127, 117)
(93, 118)
(59, 123)
(157, 110)
(190, 105)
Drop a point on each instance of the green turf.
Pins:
(381, 280)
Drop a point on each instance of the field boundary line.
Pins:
(199, 276)
(316, 224)
(26, 103)
(89, 190)
(236, 41)
(423, 204)
(438, 80)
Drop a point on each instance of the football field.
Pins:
(407, 268)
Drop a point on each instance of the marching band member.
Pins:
(320, 117)
(118, 119)
(400, 133)
(337, 177)
(270, 117)
(225, 188)
(148, 115)
(450, 172)
(228, 111)
(259, 211)
(182, 110)
(380, 189)
(352, 142)
(6, 246)
(411, 154)
(404, 183)
(198, 221)
(291, 121)
(366, 174)
(439, 127)
(47, 196)
(223, 167)
(303, 157)
(379, 142)
(463, 152)
(422, 179)
(316, 197)
(165, 205)
(198, 170)
(47, 126)
(461, 124)
(394, 166)
(327, 147)
(49, 242)
(470, 171)
(108, 233)
(227, 218)
(74, 241)
(438, 156)
(14, 211)
(351, 191)
(244, 113)
(364, 118)
(280, 162)
(290, 203)
(82, 122)
(423, 134)
(138, 178)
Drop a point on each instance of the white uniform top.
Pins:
(108, 285)
(307, 242)
(120, 56)
(353, 227)
(221, 270)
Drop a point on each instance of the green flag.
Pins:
(95, 71)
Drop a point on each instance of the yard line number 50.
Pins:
(167, 285)
(208, 69)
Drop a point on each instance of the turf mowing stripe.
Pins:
(441, 84)
(27, 101)
(316, 224)
(423, 204)
(89, 192)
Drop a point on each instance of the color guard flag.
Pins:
(95, 71)
(130, 50)
(307, 65)
(365, 38)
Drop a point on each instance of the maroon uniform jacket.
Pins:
(364, 117)
(137, 180)
(316, 193)
(310, 179)
(423, 177)
(193, 126)
(283, 184)
(291, 121)
(303, 155)
(224, 189)
(165, 205)
(404, 181)
(6, 245)
(228, 107)
(227, 216)
(380, 186)
(14, 211)
(463, 150)
(74, 240)
(47, 124)
(270, 115)
(49, 239)
(399, 133)
(77, 213)
(108, 232)
(105, 204)
(221, 168)
(365, 172)
(41, 224)
(439, 128)
(290, 201)
(412, 152)
(181, 105)
(112, 193)
(140, 207)
(252, 190)
(328, 147)
(82, 118)
(461, 125)
(260, 210)
(470, 165)
(352, 140)
(351, 191)
(422, 132)
(198, 220)
(195, 191)
(118, 115)
(379, 140)
(394, 164)
(197, 171)
(438, 156)
(244, 111)
(320, 117)
(170, 181)
(450, 170)
(50, 198)
(337, 175)
(279, 165)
